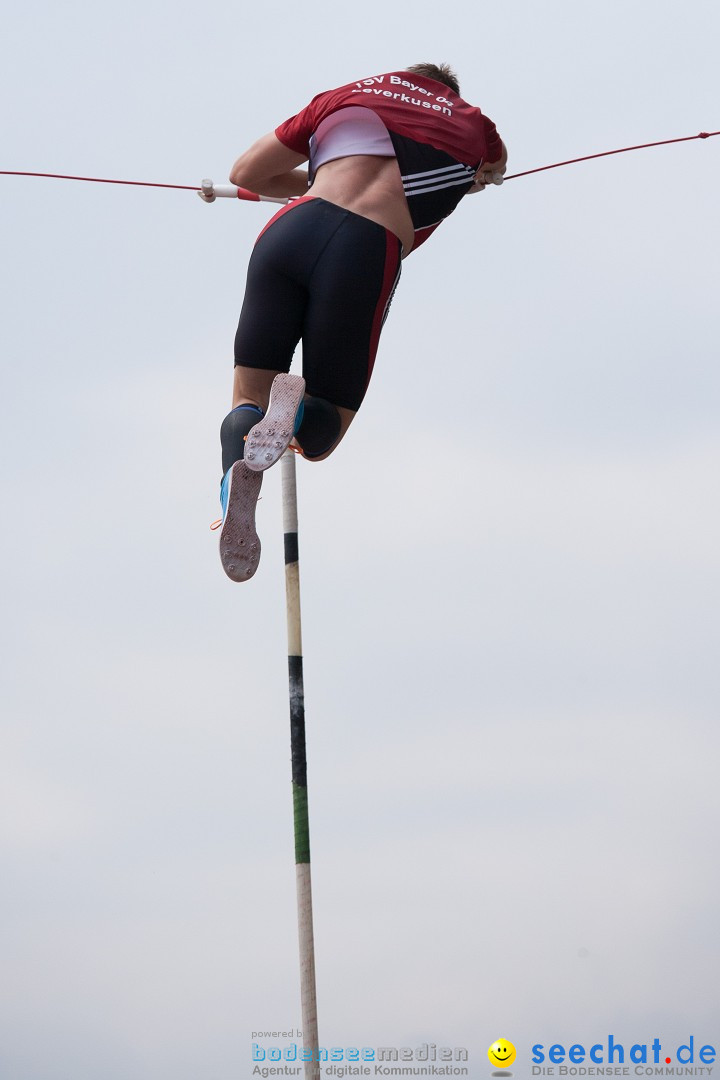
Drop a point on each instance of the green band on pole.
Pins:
(302, 825)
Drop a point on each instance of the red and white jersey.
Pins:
(439, 140)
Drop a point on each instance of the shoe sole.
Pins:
(239, 541)
(271, 436)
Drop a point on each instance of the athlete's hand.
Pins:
(490, 172)
(483, 178)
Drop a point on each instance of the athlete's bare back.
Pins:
(371, 187)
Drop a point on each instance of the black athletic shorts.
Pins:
(323, 275)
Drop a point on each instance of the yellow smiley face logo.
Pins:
(502, 1053)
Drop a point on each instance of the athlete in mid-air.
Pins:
(389, 156)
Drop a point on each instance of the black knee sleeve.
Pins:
(319, 429)
(236, 425)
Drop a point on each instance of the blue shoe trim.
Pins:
(299, 417)
(225, 489)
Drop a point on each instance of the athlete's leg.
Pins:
(269, 328)
(352, 284)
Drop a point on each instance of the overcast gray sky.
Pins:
(509, 570)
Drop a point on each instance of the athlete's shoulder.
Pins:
(295, 132)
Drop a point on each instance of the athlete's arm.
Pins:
(270, 168)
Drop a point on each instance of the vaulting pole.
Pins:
(308, 998)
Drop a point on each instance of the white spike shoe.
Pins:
(271, 436)
(239, 541)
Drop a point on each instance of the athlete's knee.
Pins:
(320, 429)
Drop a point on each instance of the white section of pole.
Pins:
(308, 997)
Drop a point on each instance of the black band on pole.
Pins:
(297, 721)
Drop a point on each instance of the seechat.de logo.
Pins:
(649, 1059)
